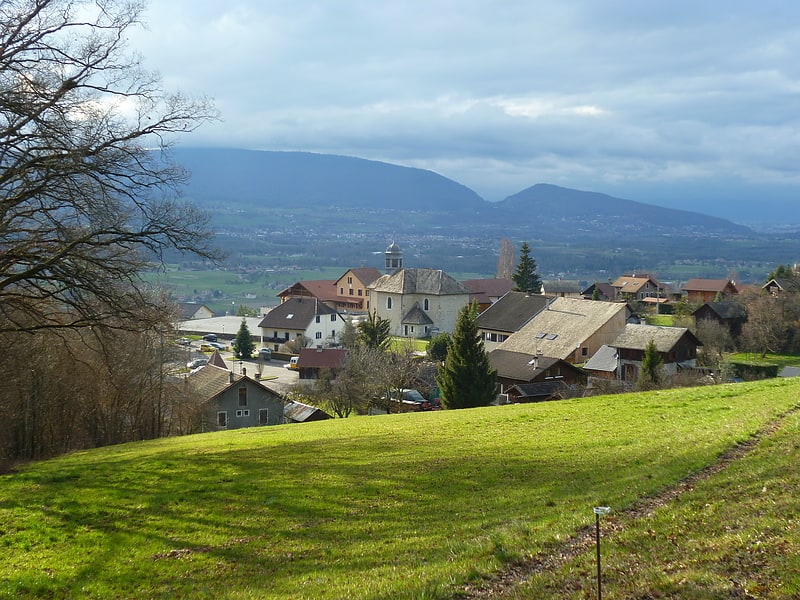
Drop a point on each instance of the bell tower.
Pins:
(394, 258)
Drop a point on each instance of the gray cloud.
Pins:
(609, 95)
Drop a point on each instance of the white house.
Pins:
(298, 317)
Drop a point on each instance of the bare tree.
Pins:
(505, 262)
(87, 189)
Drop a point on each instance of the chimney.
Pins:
(230, 376)
(244, 371)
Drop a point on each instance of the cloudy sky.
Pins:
(693, 105)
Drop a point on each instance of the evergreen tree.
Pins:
(375, 332)
(651, 375)
(466, 379)
(349, 335)
(525, 278)
(438, 346)
(243, 345)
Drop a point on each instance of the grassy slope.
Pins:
(395, 506)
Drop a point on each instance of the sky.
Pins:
(691, 105)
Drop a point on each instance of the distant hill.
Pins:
(592, 211)
(320, 181)
(303, 179)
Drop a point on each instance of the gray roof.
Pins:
(542, 390)
(725, 310)
(567, 323)
(636, 337)
(295, 313)
(511, 311)
(300, 413)
(416, 316)
(561, 286)
(605, 359)
(434, 282)
(517, 365)
(210, 381)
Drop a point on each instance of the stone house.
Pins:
(418, 302)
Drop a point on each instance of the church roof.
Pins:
(434, 282)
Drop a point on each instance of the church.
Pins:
(418, 302)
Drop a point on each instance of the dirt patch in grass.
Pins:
(557, 554)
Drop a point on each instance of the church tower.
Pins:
(394, 258)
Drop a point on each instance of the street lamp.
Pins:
(599, 510)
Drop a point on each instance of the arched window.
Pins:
(425, 304)
(389, 303)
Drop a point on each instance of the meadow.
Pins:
(424, 505)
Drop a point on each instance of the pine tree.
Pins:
(466, 379)
(243, 345)
(525, 278)
(651, 374)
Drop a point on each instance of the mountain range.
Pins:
(319, 181)
(278, 210)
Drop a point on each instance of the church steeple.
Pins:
(394, 258)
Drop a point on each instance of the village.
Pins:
(563, 342)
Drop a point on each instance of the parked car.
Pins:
(183, 341)
(217, 346)
(265, 354)
(197, 362)
(210, 337)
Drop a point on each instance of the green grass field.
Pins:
(421, 504)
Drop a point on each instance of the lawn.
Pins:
(398, 506)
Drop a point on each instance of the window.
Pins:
(242, 413)
(540, 335)
(425, 304)
(243, 396)
(360, 292)
(286, 336)
(333, 318)
(263, 416)
(584, 351)
(350, 280)
(316, 319)
(275, 334)
(351, 291)
(389, 303)
(222, 418)
(318, 335)
(341, 291)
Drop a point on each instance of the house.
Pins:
(677, 347)
(297, 412)
(517, 368)
(301, 317)
(604, 366)
(352, 289)
(418, 302)
(637, 287)
(562, 288)
(486, 291)
(313, 360)
(570, 329)
(192, 310)
(539, 392)
(231, 401)
(779, 286)
(605, 291)
(323, 290)
(729, 314)
(698, 291)
(508, 315)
